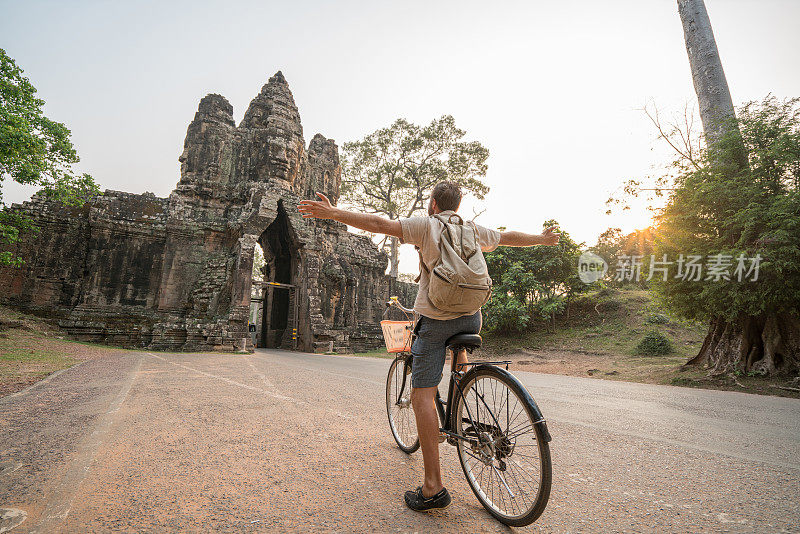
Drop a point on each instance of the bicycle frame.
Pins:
(444, 408)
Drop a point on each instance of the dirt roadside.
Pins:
(32, 349)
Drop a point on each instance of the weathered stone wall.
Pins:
(176, 273)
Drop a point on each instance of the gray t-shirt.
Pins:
(423, 232)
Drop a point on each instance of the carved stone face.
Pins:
(183, 159)
(273, 139)
(283, 156)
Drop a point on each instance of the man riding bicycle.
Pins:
(435, 325)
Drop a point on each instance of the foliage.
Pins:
(733, 210)
(34, 150)
(12, 224)
(406, 277)
(392, 170)
(505, 314)
(531, 283)
(258, 263)
(613, 246)
(654, 343)
(657, 318)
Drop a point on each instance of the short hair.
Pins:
(447, 195)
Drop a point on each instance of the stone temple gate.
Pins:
(176, 273)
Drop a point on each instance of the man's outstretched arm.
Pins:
(520, 239)
(322, 209)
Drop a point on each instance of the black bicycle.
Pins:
(494, 423)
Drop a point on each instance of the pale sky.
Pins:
(553, 89)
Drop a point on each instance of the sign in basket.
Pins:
(397, 335)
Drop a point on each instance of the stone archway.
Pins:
(279, 306)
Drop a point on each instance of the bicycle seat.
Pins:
(468, 341)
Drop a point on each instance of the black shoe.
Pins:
(419, 503)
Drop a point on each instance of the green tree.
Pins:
(616, 248)
(34, 150)
(392, 170)
(532, 283)
(258, 264)
(747, 212)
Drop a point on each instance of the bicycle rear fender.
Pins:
(537, 413)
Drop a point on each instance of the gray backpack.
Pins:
(459, 281)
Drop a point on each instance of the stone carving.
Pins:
(175, 273)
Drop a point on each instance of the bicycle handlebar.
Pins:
(393, 301)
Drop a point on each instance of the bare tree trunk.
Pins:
(713, 95)
(747, 343)
(766, 345)
(394, 257)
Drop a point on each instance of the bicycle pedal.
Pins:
(452, 441)
(442, 437)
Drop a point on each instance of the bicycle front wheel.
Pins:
(398, 406)
(506, 460)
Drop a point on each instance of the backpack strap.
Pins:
(449, 219)
(477, 242)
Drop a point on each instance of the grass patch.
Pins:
(25, 358)
(609, 321)
(377, 353)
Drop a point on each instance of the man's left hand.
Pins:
(550, 237)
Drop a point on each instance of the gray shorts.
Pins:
(429, 348)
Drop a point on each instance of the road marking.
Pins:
(604, 428)
(228, 380)
(263, 377)
(249, 387)
(59, 505)
(6, 468)
(274, 388)
(343, 375)
(10, 518)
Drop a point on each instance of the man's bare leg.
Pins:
(462, 358)
(428, 429)
(422, 399)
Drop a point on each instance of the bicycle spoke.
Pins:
(527, 430)
(523, 476)
(476, 457)
(528, 491)
(518, 485)
(503, 480)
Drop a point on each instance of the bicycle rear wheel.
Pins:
(507, 460)
(398, 406)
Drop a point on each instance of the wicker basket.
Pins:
(397, 335)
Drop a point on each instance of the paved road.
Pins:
(278, 441)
